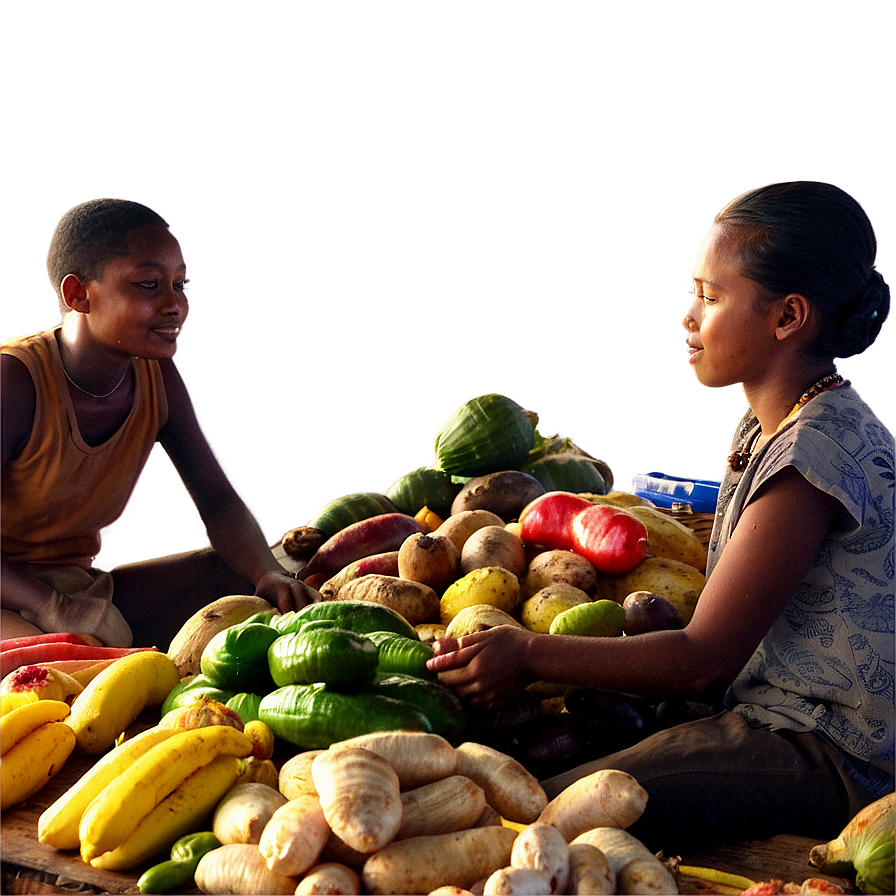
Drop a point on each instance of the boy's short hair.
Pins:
(90, 235)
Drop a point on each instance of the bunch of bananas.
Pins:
(35, 742)
(145, 794)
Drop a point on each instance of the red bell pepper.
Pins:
(547, 520)
(612, 541)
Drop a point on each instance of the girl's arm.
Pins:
(772, 548)
(233, 530)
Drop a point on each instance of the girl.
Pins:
(792, 637)
(83, 404)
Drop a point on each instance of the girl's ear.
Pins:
(796, 312)
(74, 294)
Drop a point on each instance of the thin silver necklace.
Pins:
(114, 389)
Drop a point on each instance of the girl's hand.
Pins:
(283, 591)
(487, 668)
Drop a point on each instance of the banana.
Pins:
(181, 812)
(35, 759)
(113, 699)
(115, 812)
(58, 824)
(18, 723)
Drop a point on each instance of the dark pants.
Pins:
(717, 779)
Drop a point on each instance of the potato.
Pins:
(648, 612)
(331, 878)
(240, 868)
(636, 868)
(460, 526)
(450, 804)
(494, 546)
(679, 583)
(430, 559)
(666, 537)
(538, 611)
(478, 618)
(549, 567)
(503, 493)
(489, 585)
(589, 871)
(541, 847)
(510, 881)
(415, 601)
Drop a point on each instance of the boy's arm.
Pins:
(233, 530)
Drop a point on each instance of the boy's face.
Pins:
(139, 305)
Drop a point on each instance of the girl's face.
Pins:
(139, 305)
(729, 340)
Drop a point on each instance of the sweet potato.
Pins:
(415, 601)
(385, 564)
(295, 836)
(295, 775)
(509, 788)
(359, 795)
(451, 804)
(330, 879)
(418, 757)
(605, 798)
(421, 864)
(636, 868)
(240, 868)
(430, 559)
(589, 871)
(512, 881)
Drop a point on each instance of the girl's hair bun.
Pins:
(863, 319)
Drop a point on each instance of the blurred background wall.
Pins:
(388, 208)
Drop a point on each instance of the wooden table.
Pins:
(32, 867)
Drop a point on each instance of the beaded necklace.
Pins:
(738, 460)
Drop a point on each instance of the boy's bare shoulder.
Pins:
(17, 405)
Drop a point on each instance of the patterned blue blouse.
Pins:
(827, 662)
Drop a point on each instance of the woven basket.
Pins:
(699, 523)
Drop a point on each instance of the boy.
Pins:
(82, 406)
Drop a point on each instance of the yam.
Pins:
(360, 797)
(421, 864)
(523, 881)
(244, 811)
(541, 847)
(589, 871)
(330, 879)
(385, 564)
(605, 798)
(430, 559)
(415, 601)
(418, 757)
(240, 868)
(295, 774)
(504, 493)
(295, 836)
(649, 612)
(450, 804)
(494, 546)
(637, 869)
(510, 789)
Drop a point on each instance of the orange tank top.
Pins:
(60, 492)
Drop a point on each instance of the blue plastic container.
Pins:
(664, 491)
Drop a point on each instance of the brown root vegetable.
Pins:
(295, 774)
(512, 881)
(240, 868)
(385, 564)
(589, 871)
(636, 868)
(478, 618)
(244, 811)
(360, 797)
(541, 847)
(450, 804)
(301, 543)
(605, 798)
(295, 836)
(421, 864)
(504, 493)
(551, 567)
(430, 559)
(418, 757)
(510, 789)
(460, 526)
(649, 612)
(330, 879)
(494, 546)
(416, 602)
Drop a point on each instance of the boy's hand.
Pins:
(283, 591)
(82, 614)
